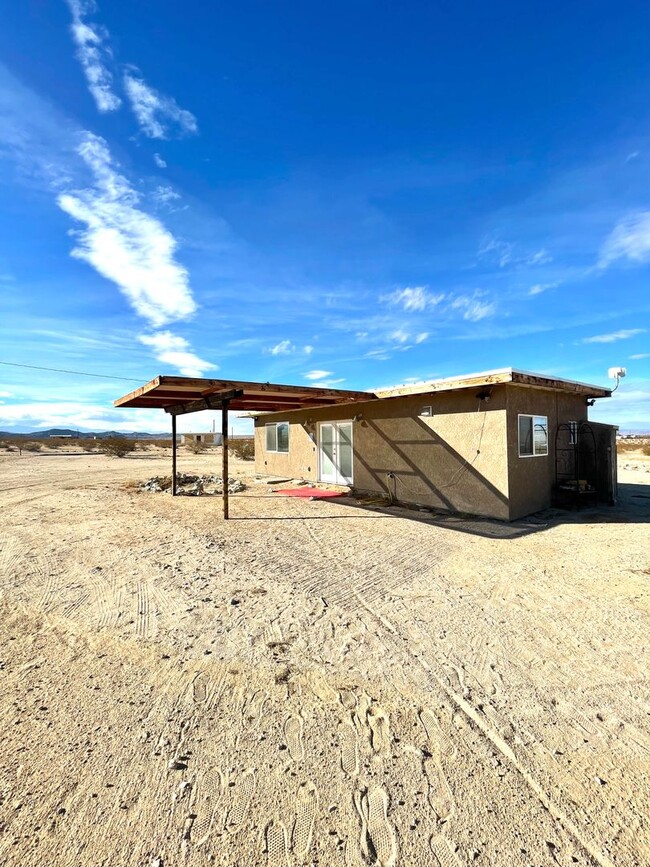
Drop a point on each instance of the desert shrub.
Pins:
(87, 445)
(646, 450)
(195, 446)
(242, 448)
(31, 446)
(162, 444)
(116, 446)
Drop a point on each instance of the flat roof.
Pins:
(495, 377)
(165, 392)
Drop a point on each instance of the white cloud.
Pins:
(413, 298)
(507, 253)
(473, 308)
(124, 244)
(284, 347)
(400, 336)
(329, 383)
(624, 334)
(156, 113)
(308, 349)
(377, 355)
(637, 357)
(164, 194)
(174, 350)
(538, 288)
(318, 374)
(5, 394)
(541, 257)
(630, 239)
(502, 251)
(420, 338)
(159, 161)
(93, 55)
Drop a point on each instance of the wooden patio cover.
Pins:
(179, 395)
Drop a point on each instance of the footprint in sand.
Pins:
(443, 852)
(293, 729)
(208, 792)
(440, 796)
(241, 795)
(349, 748)
(379, 729)
(303, 829)
(277, 854)
(438, 740)
(377, 842)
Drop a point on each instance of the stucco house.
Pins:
(502, 444)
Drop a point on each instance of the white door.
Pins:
(335, 451)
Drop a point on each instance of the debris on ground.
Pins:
(188, 485)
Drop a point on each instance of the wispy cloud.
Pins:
(538, 288)
(506, 253)
(174, 350)
(413, 298)
(157, 114)
(639, 355)
(400, 336)
(284, 347)
(420, 338)
(159, 161)
(317, 374)
(93, 54)
(308, 349)
(125, 244)
(624, 334)
(630, 239)
(164, 195)
(474, 307)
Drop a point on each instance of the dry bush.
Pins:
(116, 446)
(195, 446)
(31, 446)
(162, 444)
(242, 448)
(87, 445)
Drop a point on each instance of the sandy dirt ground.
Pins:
(315, 682)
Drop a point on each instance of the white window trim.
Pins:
(533, 455)
(276, 450)
(426, 412)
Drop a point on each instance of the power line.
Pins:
(73, 372)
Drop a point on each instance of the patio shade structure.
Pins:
(179, 395)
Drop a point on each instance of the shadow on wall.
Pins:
(464, 488)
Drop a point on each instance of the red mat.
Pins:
(316, 493)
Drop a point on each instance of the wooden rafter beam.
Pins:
(212, 401)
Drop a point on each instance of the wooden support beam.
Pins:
(173, 456)
(224, 456)
(212, 401)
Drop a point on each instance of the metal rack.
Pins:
(576, 465)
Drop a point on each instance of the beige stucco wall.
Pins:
(454, 460)
(531, 479)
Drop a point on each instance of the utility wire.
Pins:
(73, 372)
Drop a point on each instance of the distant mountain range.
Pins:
(82, 434)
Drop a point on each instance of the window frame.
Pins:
(275, 425)
(533, 453)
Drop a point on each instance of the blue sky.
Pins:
(358, 194)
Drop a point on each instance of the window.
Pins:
(425, 412)
(533, 435)
(277, 437)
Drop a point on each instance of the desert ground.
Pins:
(328, 683)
